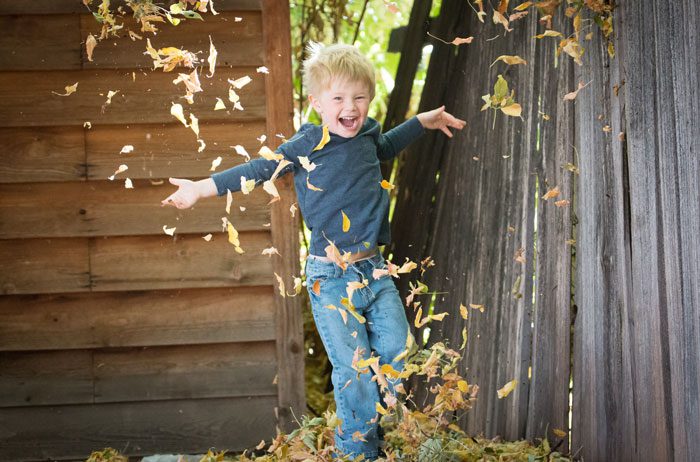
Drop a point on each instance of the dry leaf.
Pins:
(177, 112)
(215, 163)
(194, 124)
(169, 231)
(70, 89)
(386, 185)
(572, 95)
(270, 251)
(513, 110)
(126, 149)
(463, 311)
(562, 203)
(263, 70)
(212, 58)
(511, 60)
(548, 33)
(280, 283)
(325, 138)
(90, 44)
(229, 201)
(267, 154)
(552, 193)
(219, 105)
(128, 184)
(312, 187)
(240, 150)
(120, 169)
(247, 185)
(240, 82)
(316, 288)
(308, 166)
(507, 389)
(207, 237)
(459, 40)
(477, 307)
(346, 222)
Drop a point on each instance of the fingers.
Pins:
(176, 181)
(446, 131)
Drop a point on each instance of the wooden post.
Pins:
(285, 229)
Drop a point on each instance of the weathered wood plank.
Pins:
(129, 319)
(8, 7)
(185, 372)
(41, 378)
(40, 42)
(285, 235)
(42, 154)
(26, 98)
(106, 208)
(238, 43)
(162, 262)
(137, 429)
(162, 151)
(44, 266)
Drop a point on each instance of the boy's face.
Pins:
(343, 106)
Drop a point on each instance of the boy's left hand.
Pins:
(439, 118)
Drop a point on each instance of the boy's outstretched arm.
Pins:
(440, 119)
(189, 192)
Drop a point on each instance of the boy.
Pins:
(338, 185)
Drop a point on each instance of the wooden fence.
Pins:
(112, 333)
(593, 307)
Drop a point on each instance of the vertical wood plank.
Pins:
(285, 228)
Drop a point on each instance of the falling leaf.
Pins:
(270, 251)
(270, 188)
(378, 407)
(308, 166)
(519, 257)
(128, 184)
(312, 187)
(463, 311)
(242, 208)
(215, 163)
(241, 82)
(212, 58)
(552, 193)
(570, 241)
(548, 33)
(90, 45)
(513, 110)
(219, 105)
(562, 203)
(260, 445)
(316, 287)
(460, 40)
(263, 70)
(261, 138)
(194, 124)
(293, 209)
(386, 185)
(559, 433)
(168, 231)
(481, 13)
(233, 236)
(240, 150)
(463, 386)
(177, 112)
(120, 169)
(267, 154)
(229, 201)
(523, 6)
(235, 99)
(202, 145)
(70, 89)
(498, 18)
(333, 254)
(207, 237)
(607, 128)
(507, 389)
(126, 149)
(477, 307)
(511, 60)
(325, 138)
(110, 94)
(572, 95)
(280, 283)
(237, 19)
(621, 136)
(247, 185)
(87, 125)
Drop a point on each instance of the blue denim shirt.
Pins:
(348, 173)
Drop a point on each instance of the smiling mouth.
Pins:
(349, 122)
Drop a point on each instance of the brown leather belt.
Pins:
(352, 258)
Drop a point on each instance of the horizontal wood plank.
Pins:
(185, 372)
(44, 266)
(26, 97)
(137, 429)
(42, 154)
(162, 151)
(107, 208)
(40, 42)
(137, 374)
(8, 7)
(47, 377)
(129, 319)
(162, 262)
(238, 43)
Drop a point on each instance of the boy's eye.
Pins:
(359, 97)
(337, 98)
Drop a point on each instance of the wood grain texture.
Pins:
(26, 98)
(185, 261)
(285, 228)
(134, 319)
(8, 7)
(106, 208)
(42, 154)
(137, 429)
(44, 266)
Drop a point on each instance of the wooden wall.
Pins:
(113, 333)
(601, 317)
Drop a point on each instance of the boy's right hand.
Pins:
(186, 196)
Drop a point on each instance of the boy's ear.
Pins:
(314, 103)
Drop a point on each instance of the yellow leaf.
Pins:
(168, 231)
(513, 110)
(346, 222)
(552, 193)
(219, 105)
(417, 322)
(90, 44)
(271, 189)
(128, 184)
(363, 363)
(312, 187)
(463, 386)
(463, 311)
(378, 407)
(270, 251)
(281, 288)
(247, 185)
(548, 33)
(267, 154)
(240, 82)
(316, 288)
(229, 201)
(70, 89)
(507, 389)
(212, 58)
(194, 124)
(325, 138)
(523, 6)
(498, 18)
(562, 203)
(559, 433)
(386, 185)
(308, 166)
(215, 163)
(438, 317)
(177, 112)
(510, 60)
(477, 307)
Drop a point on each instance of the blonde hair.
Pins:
(324, 63)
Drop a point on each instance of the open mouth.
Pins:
(349, 122)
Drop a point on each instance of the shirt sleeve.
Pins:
(261, 170)
(391, 143)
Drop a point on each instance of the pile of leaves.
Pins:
(412, 434)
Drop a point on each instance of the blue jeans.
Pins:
(383, 333)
